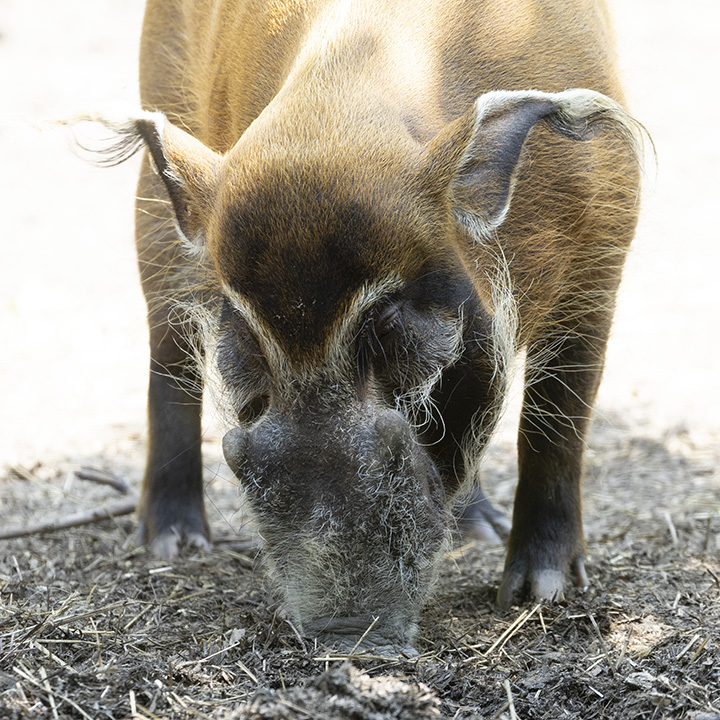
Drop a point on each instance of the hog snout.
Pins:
(351, 511)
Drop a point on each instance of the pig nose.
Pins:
(356, 635)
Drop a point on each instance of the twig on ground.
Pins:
(624, 648)
(22, 472)
(103, 478)
(699, 650)
(514, 627)
(340, 657)
(48, 690)
(247, 671)
(364, 635)
(199, 661)
(88, 517)
(28, 678)
(715, 578)
(297, 635)
(500, 710)
(687, 647)
(610, 663)
(52, 656)
(671, 528)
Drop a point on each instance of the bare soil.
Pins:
(91, 626)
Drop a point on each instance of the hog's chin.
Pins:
(363, 635)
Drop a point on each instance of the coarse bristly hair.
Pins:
(579, 115)
(110, 138)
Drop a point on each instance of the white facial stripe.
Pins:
(335, 356)
(274, 354)
(349, 324)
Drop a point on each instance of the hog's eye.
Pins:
(408, 347)
(242, 366)
(388, 322)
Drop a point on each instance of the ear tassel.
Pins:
(125, 140)
(582, 114)
(484, 176)
(186, 166)
(579, 114)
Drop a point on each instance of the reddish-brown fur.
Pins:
(319, 148)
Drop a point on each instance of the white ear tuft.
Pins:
(123, 141)
(186, 166)
(492, 136)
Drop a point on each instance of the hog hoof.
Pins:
(543, 584)
(169, 543)
(170, 540)
(168, 527)
(481, 520)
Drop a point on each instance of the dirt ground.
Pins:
(91, 626)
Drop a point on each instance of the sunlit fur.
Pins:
(413, 140)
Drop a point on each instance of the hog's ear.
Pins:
(188, 169)
(476, 158)
(186, 166)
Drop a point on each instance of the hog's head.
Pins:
(361, 322)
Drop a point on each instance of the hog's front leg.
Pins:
(546, 545)
(171, 505)
(171, 510)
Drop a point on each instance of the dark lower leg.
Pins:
(546, 542)
(171, 507)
